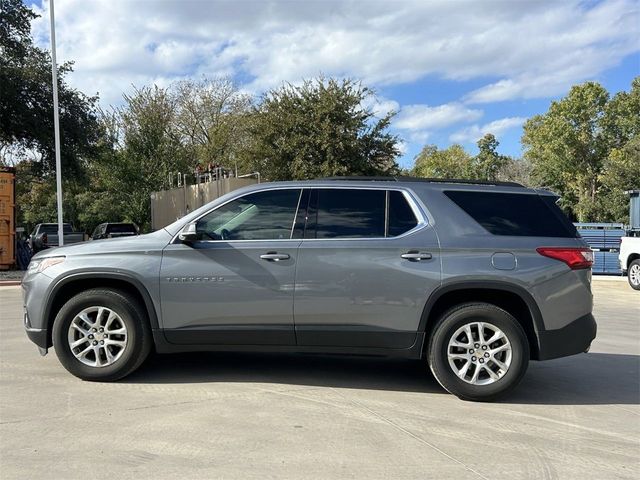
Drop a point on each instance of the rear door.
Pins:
(366, 265)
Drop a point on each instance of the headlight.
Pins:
(37, 266)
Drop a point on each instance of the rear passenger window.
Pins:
(515, 214)
(345, 213)
(401, 216)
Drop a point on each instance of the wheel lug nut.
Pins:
(482, 360)
(484, 347)
(473, 359)
(477, 345)
(471, 350)
(486, 354)
(106, 336)
(94, 330)
(102, 329)
(95, 342)
(101, 342)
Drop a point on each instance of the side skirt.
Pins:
(413, 352)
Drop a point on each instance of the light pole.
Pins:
(56, 123)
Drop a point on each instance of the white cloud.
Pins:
(424, 117)
(403, 147)
(420, 137)
(534, 49)
(474, 132)
(381, 106)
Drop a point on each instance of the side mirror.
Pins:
(188, 233)
(40, 241)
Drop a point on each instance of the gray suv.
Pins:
(474, 278)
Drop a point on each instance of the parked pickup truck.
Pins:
(45, 235)
(630, 260)
(114, 230)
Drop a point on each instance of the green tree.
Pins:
(212, 119)
(488, 163)
(36, 197)
(621, 120)
(516, 170)
(26, 101)
(319, 129)
(452, 162)
(620, 173)
(145, 149)
(580, 138)
(455, 162)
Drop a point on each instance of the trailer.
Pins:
(604, 239)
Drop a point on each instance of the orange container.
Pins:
(7, 217)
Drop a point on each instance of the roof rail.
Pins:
(401, 178)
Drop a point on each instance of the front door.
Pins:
(235, 284)
(366, 266)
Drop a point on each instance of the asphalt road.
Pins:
(296, 416)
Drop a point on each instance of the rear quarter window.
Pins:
(515, 214)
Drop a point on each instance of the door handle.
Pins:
(415, 256)
(274, 256)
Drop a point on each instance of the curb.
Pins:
(10, 283)
(609, 278)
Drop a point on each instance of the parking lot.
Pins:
(299, 416)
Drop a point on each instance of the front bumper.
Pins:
(39, 336)
(574, 338)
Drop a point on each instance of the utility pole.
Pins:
(56, 123)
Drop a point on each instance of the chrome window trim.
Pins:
(416, 207)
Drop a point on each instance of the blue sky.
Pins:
(453, 70)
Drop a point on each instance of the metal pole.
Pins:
(56, 123)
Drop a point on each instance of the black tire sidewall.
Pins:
(456, 318)
(130, 314)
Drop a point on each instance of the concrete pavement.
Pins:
(298, 416)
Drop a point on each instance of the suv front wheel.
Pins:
(101, 335)
(478, 351)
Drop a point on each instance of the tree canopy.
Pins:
(26, 101)
(583, 148)
(319, 128)
(456, 162)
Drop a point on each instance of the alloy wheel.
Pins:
(634, 274)
(479, 353)
(97, 336)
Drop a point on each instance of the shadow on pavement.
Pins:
(585, 379)
(294, 369)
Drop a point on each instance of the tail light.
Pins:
(575, 258)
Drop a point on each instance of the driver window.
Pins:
(265, 215)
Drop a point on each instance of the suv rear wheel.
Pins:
(101, 335)
(478, 351)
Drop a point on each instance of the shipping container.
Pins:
(7, 217)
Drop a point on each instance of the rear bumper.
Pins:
(574, 338)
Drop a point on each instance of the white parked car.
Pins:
(630, 260)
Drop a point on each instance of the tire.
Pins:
(118, 356)
(633, 274)
(512, 351)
